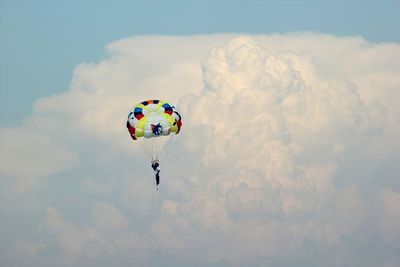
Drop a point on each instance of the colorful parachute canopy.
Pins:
(153, 118)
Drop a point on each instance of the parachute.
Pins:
(153, 118)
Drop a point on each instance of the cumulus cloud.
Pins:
(28, 156)
(287, 156)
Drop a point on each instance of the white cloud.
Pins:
(391, 218)
(286, 156)
(27, 156)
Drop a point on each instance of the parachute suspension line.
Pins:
(151, 228)
(155, 144)
(153, 154)
(146, 149)
(157, 141)
(162, 149)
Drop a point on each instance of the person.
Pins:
(156, 129)
(156, 167)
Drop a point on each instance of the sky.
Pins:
(42, 41)
(287, 155)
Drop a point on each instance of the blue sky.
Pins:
(42, 41)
